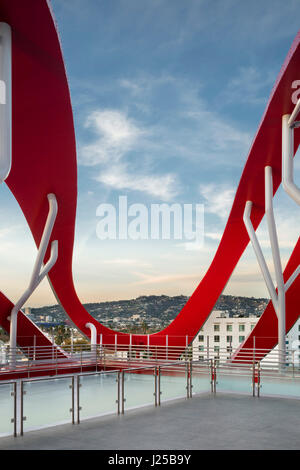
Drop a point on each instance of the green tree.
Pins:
(61, 334)
(144, 327)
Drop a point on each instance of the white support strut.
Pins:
(39, 271)
(288, 126)
(277, 262)
(93, 330)
(292, 278)
(5, 101)
(278, 298)
(289, 123)
(259, 254)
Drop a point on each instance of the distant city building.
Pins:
(222, 334)
(293, 343)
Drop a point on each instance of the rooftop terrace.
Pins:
(221, 421)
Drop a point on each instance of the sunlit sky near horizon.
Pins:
(167, 96)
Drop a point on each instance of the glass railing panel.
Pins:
(47, 402)
(6, 409)
(173, 382)
(234, 380)
(201, 378)
(139, 388)
(98, 394)
(279, 386)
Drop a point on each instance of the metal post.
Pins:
(155, 386)
(211, 376)
(78, 399)
(258, 379)
(191, 379)
(207, 345)
(104, 359)
(158, 388)
(186, 346)
(72, 341)
(22, 417)
(34, 348)
(215, 377)
(167, 349)
(123, 399)
(187, 378)
(72, 386)
(97, 356)
(118, 380)
(101, 348)
(14, 419)
(253, 378)
(28, 362)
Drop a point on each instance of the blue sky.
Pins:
(167, 96)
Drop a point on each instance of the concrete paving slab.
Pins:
(211, 422)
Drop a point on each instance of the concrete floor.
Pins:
(204, 422)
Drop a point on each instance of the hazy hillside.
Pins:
(154, 310)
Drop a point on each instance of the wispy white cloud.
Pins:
(144, 85)
(5, 231)
(216, 135)
(218, 199)
(126, 262)
(287, 232)
(119, 177)
(190, 128)
(249, 85)
(213, 235)
(115, 135)
(166, 278)
(133, 86)
(192, 246)
(185, 126)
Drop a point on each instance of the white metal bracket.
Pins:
(93, 330)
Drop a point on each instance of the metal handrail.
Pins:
(212, 368)
(41, 358)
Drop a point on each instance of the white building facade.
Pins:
(222, 335)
